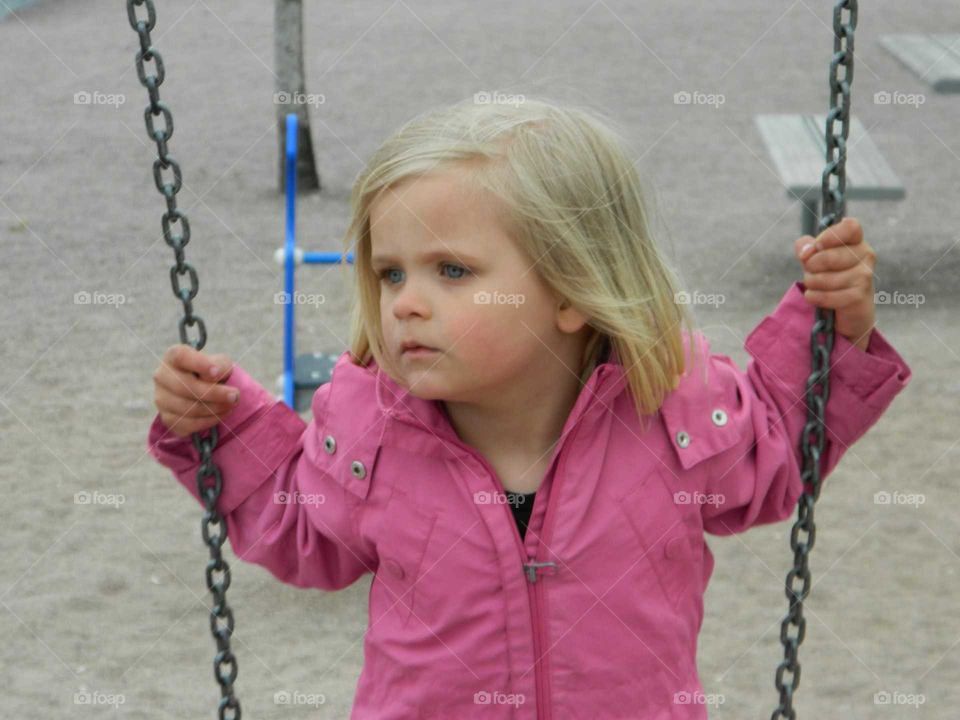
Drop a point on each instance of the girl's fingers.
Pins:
(846, 232)
(833, 260)
(193, 409)
(833, 280)
(801, 246)
(184, 357)
(832, 299)
(185, 385)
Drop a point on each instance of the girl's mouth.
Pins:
(418, 351)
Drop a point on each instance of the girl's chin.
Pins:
(425, 391)
(422, 386)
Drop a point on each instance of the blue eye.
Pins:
(458, 267)
(383, 274)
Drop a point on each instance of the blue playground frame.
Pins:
(306, 372)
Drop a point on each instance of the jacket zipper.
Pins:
(531, 565)
(544, 704)
(531, 591)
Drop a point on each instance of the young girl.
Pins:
(516, 444)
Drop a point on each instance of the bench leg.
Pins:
(810, 218)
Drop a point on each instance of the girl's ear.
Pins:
(569, 319)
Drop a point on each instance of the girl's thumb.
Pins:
(221, 365)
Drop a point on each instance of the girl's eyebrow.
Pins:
(429, 257)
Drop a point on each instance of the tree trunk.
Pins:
(290, 92)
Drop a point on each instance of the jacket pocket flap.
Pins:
(699, 417)
(348, 459)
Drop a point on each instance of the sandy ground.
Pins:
(109, 603)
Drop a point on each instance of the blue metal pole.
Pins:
(289, 342)
(325, 258)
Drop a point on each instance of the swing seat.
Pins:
(798, 148)
(934, 57)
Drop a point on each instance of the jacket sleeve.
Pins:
(757, 479)
(281, 510)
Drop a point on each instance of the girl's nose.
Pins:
(410, 301)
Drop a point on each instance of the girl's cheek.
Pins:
(480, 333)
(466, 332)
(498, 330)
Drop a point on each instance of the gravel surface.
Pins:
(108, 602)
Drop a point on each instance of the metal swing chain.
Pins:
(834, 208)
(217, 570)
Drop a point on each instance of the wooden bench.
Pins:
(934, 57)
(798, 148)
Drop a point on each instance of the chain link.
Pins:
(217, 571)
(821, 345)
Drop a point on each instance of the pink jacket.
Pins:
(596, 614)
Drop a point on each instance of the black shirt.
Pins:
(521, 504)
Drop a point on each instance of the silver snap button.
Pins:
(683, 439)
(358, 470)
(719, 417)
(329, 444)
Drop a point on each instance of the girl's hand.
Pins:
(188, 403)
(838, 274)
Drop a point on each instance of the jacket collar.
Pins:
(604, 384)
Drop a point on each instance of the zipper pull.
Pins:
(532, 567)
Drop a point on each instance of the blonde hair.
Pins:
(575, 207)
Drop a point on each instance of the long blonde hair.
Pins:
(575, 206)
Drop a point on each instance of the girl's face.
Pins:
(452, 279)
